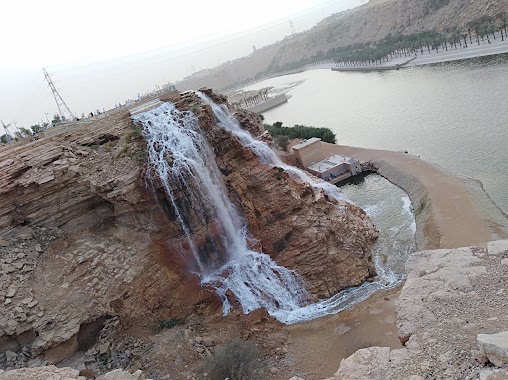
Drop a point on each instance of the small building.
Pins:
(169, 87)
(308, 151)
(333, 169)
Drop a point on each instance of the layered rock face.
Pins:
(328, 242)
(84, 236)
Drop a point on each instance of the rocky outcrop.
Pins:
(54, 373)
(84, 238)
(494, 348)
(451, 318)
(326, 241)
(42, 373)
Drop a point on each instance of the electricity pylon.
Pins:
(63, 109)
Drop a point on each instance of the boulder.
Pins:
(493, 374)
(42, 373)
(119, 374)
(366, 363)
(497, 247)
(494, 347)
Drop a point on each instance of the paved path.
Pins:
(472, 51)
(453, 54)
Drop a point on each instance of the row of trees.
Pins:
(483, 29)
(32, 130)
(300, 131)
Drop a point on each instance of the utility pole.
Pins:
(63, 109)
(292, 26)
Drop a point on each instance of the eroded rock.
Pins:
(494, 347)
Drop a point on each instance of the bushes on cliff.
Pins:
(301, 132)
(238, 360)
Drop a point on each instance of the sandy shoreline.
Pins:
(450, 211)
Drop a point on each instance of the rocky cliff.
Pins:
(85, 238)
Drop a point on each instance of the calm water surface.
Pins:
(454, 114)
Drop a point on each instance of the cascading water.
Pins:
(185, 163)
(388, 278)
(227, 121)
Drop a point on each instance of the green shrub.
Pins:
(133, 133)
(421, 207)
(300, 131)
(168, 324)
(238, 360)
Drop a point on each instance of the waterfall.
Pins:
(349, 297)
(226, 120)
(184, 162)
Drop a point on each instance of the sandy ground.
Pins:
(318, 346)
(451, 212)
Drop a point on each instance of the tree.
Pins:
(56, 119)
(282, 142)
(36, 128)
(4, 139)
(25, 132)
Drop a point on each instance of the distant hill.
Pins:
(367, 23)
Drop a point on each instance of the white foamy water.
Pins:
(185, 163)
(408, 209)
(226, 120)
(387, 264)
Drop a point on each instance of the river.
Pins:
(451, 114)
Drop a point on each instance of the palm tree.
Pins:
(504, 23)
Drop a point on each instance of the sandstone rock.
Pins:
(4, 243)
(9, 355)
(11, 292)
(504, 261)
(494, 347)
(42, 373)
(493, 374)
(208, 341)
(103, 348)
(119, 374)
(111, 239)
(497, 247)
(366, 363)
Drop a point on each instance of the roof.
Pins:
(330, 163)
(307, 143)
(245, 95)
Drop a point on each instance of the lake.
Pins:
(452, 114)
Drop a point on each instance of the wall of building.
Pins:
(309, 154)
(270, 103)
(355, 167)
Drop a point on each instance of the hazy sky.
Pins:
(103, 52)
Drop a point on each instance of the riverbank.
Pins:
(450, 211)
(425, 57)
